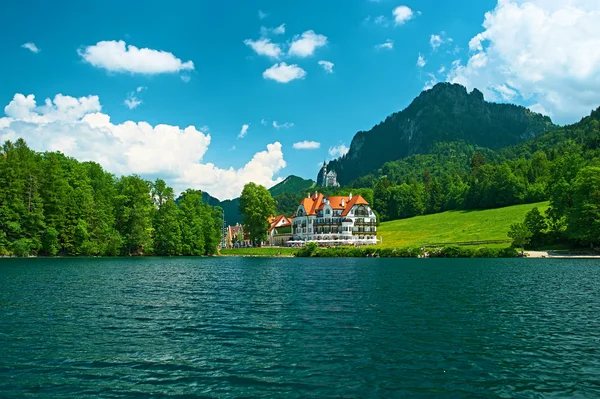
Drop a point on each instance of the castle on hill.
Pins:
(327, 179)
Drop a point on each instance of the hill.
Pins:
(285, 194)
(445, 113)
(454, 226)
(292, 185)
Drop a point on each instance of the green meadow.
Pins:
(454, 226)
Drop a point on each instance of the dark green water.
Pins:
(323, 328)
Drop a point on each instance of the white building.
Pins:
(334, 220)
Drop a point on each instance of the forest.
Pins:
(53, 205)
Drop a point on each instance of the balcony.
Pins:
(328, 222)
(364, 232)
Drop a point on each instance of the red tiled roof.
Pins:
(318, 201)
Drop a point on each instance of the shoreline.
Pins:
(558, 255)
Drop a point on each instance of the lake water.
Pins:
(321, 328)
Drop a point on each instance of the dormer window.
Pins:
(327, 212)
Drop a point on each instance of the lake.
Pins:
(321, 328)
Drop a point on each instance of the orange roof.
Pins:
(275, 220)
(318, 201)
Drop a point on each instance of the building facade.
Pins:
(236, 237)
(334, 220)
(280, 230)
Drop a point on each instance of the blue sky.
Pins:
(212, 76)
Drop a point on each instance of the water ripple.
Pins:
(298, 328)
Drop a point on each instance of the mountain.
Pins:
(290, 185)
(445, 113)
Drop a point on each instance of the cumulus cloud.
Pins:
(388, 45)
(31, 47)
(244, 131)
(327, 66)
(264, 47)
(117, 56)
(402, 14)
(306, 44)
(539, 52)
(307, 145)
(78, 128)
(338, 151)
(421, 61)
(284, 73)
(262, 14)
(285, 125)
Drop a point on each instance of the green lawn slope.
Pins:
(454, 226)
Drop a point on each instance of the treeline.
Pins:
(54, 205)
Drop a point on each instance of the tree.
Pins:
(256, 205)
(536, 224)
(477, 161)
(520, 235)
(166, 223)
(134, 214)
(192, 223)
(583, 221)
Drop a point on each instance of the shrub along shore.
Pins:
(313, 251)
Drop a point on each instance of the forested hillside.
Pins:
(445, 113)
(562, 166)
(54, 205)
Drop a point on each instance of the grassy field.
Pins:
(454, 226)
(259, 251)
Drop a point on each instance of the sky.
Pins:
(213, 95)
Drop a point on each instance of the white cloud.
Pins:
(388, 45)
(284, 73)
(307, 145)
(76, 127)
(285, 125)
(442, 69)
(132, 102)
(119, 57)
(546, 52)
(421, 61)
(263, 122)
(327, 66)
(279, 30)
(435, 41)
(186, 78)
(31, 47)
(431, 82)
(262, 15)
(306, 44)
(264, 47)
(402, 14)
(244, 131)
(338, 151)
(381, 20)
